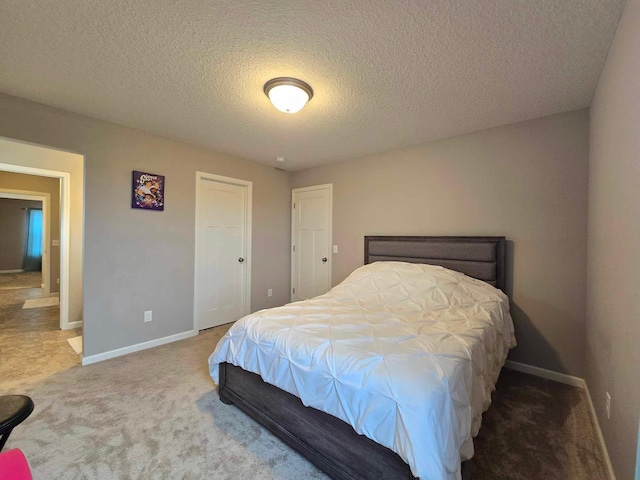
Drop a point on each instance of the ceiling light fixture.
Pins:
(289, 95)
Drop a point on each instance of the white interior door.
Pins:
(222, 263)
(311, 241)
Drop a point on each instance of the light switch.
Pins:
(335, 249)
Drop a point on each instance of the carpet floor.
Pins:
(537, 429)
(156, 415)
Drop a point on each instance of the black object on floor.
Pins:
(14, 409)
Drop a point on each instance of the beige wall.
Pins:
(14, 220)
(33, 183)
(613, 300)
(138, 260)
(527, 181)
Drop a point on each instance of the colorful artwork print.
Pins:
(148, 191)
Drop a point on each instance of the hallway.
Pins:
(32, 346)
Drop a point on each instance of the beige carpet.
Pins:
(149, 415)
(156, 415)
(537, 429)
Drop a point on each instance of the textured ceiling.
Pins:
(385, 74)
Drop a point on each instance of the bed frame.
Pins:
(328, 442)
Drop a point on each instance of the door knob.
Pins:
(241, 259)
(324, 260)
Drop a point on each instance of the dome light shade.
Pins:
(289, 95)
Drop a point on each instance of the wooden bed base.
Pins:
(328, 442)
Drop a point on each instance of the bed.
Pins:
(330, 441)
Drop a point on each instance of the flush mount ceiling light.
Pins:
(289, 95)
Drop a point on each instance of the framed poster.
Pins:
(147, 191)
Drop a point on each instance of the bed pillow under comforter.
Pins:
(407, 354)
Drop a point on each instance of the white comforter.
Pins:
(407, 354)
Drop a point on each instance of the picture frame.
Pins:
(147, 191)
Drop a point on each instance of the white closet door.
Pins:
(311, 242)
(221, 266)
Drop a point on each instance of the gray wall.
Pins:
(139, 260)
(14, 220)
(527, 181)
(613, 300)
(32, 183)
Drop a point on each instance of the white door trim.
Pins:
(45, 198)
(330, 236)
(248, 188)
(65, 232)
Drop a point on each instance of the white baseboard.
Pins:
(137, 347)
(544, 373)
(612, 475)
(575, 382)
(12, 271)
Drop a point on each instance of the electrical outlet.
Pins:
(608, 406)
(270, 292)
(148, 316)
(58, 281)
(335, 249)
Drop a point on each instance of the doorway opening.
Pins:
(41, 296)
(26, 218)
(39, 236)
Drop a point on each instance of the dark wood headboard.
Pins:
(478, 257)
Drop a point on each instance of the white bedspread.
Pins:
(407, 354)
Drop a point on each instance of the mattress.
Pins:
(407, 354)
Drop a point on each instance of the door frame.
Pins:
(65, 232)
(45, 198)
(330, 236)
(248, 190)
